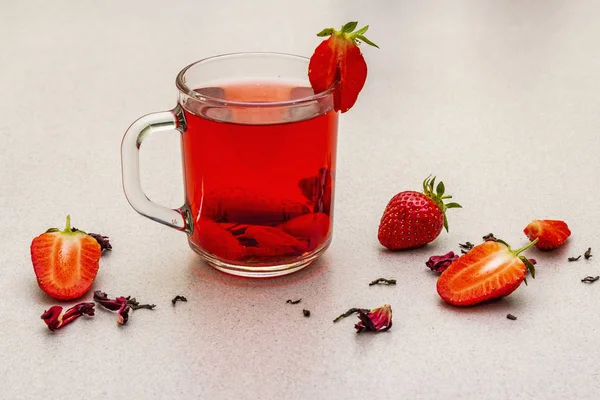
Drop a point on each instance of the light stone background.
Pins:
(499, 98)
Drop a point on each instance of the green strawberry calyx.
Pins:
(436, 193)
(347, 33)
(528, 264)
(68, 230)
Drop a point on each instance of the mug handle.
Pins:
(130, 165)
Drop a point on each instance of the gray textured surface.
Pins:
(500, 98)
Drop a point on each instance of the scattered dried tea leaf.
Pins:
(349, 313)
(290, 301)
(306, 313)
(135, 305)
(56, 319)
(377, 320)
(511, 317)
(464, 248)
(178, 298)
(441, 263)
(383, 281)
(588, 254)
(490, 238)
(574, 258)
(590, 279)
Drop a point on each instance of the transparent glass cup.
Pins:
(259, 156)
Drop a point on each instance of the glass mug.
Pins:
(259, 155)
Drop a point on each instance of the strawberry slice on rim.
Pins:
(488, 271)
(65, 262)
(338, 60)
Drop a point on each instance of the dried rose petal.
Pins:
(245, 206)
(53, 317)
(441, 263)
(377, 320)
(313, 227)
(318, 190)
(102, 240)
(120, 304)
(267, 236)
(216, 240)
(102, 298)
(56, 319)
(272, 242)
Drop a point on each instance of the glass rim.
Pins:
(209, 100)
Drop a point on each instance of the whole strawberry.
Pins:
(413, 219)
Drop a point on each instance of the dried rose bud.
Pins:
(377, 320)
(123, 313)
(56, 319)
(119, 304)
(441, 263)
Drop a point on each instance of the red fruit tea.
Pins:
(259, 179)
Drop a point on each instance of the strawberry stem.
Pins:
(522, 249)
(68, 225)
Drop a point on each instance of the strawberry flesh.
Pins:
(65, 262)
(551, 233)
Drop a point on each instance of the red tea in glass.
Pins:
(259, 153)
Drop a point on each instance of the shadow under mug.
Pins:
(259, 156)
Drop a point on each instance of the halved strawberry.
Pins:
(551, 233)
(65, 262)
(488, 271)
(339, 60)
